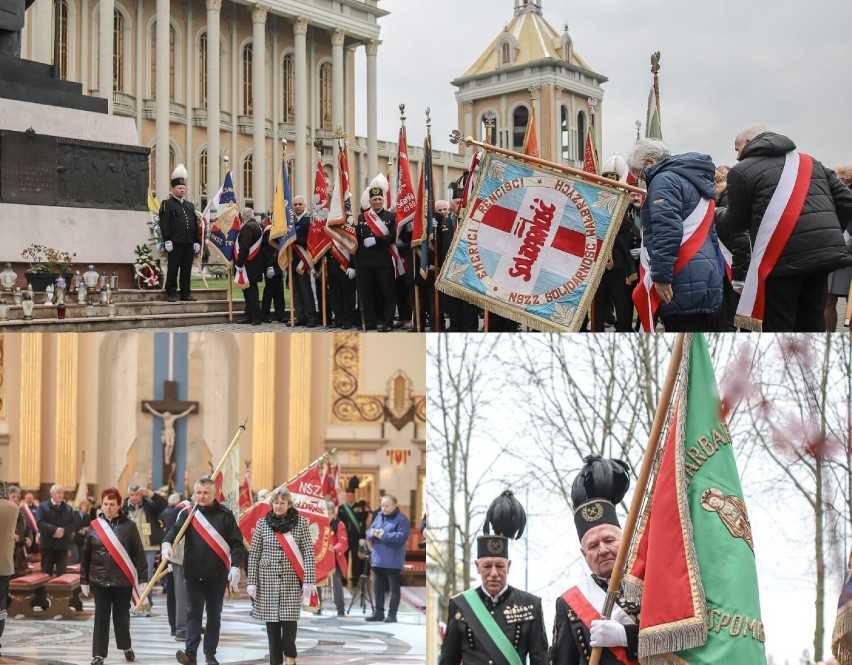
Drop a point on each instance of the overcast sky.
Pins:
(725, 65)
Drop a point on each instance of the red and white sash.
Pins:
(696, 227)
(119, 554)
(729, 261)
(380, 229)
(777, 224)
(213, 538)
(32, 520)
(587, 600)
(241, 277)
(294, 556)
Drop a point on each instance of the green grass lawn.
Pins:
(236, 292)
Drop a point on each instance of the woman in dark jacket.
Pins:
(113, 537)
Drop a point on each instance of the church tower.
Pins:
(530, 59)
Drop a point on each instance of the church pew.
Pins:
(64, 595)
(28, 592)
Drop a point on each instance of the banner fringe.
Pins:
(841, 646)
(748, 323)
(632, 588)
(654, 647)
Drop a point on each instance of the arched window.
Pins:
(118, 30)
(289, 89)
(248, 178)
(172, 39)
(202, 175)
(152, 172)
(247, 74)
(505, 53)
(325, 94)
(63, 40)
(564, 136)
(581, 136)
(202, 70)
(520, 119)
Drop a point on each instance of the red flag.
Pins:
(590, 158)
(418, 232)
(531, 138)
(406, 201)
(340, 226)
(245, 493)
(318, 240)
(249, 520)
(309, 500)
(331, 483)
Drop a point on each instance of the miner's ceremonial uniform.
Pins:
(179, 228)
(375, 267)
(515, 614)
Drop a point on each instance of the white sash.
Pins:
(596, 597)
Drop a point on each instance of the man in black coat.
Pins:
(144, 508)
(374, 263)
(494, 610)
(11, 23)
(57, 523)
(273, 289)
(248, 256)
(303, 292)
(820, 209)
(354, 514)
(212, 558)
(179, 228)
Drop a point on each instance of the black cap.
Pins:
(507, 518)
(353, 484)
(597, 490)
(376, 191)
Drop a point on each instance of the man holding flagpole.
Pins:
(212, 559)
(376, 232)
(496, 624)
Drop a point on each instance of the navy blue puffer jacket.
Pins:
(675, 187)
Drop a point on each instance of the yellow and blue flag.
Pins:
(283, 225)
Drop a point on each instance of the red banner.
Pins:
(406, 201)
(318, 240)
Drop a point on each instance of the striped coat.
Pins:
(279, 592)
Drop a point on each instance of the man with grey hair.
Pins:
(144, 508)
(57, 523)
(248, 263)
(388, 536)
(681, 265)
(795, 211)
(303, 292)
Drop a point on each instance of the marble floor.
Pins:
(324, 639)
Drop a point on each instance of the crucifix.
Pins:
(170, 409)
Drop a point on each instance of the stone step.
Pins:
(130, 295)
(106, 324)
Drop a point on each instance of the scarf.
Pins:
(284, 523)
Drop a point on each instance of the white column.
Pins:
(140, 68)
(300, 61)
(85, 61)
(214, 8)
(258, 88)
(188, 98)
(105, 48)
(73, 17)
(161, 94)
(372, 111)
(276, 86)
(468, 127)
(236, 61)
(42, 17)
(337, 93)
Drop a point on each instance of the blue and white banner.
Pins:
(533, 243)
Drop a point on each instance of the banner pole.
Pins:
(414, 271)
(291, 277)
(641, 484)
(164, 560)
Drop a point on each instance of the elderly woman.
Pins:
(112, 567)
(281, 569)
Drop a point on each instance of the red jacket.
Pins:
(340, 544)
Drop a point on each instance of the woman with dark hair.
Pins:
(281, 570)
(113, 567)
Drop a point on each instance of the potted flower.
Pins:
(149, 275)
(47, 264)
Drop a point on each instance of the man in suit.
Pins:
(57, 523)
(11, 23)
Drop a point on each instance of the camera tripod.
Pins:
(362, 591)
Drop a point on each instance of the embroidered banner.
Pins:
(533, 243)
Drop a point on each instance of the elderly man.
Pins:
(388, 536)
(213, 555)
(795, 211)
(578, 627)
(144, 508)
(181, 235)
(376, 233)
(486, 624)
(248, 264)
(681, 261)
(57, 523)
(303, 290)
(11, 23)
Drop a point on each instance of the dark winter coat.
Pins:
(178, 221)
(816, 243)
(736, 240)
(200, 562)
(50, 518)
(250, 233)
(676, 186)
(389, 550)
(269, 252)
(98, 568)
(376, 256)
(153, 508)
(303, 228)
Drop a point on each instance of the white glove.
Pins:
(234, 578)
(84, 589)
(350, 273)
(635, 253)
(251, 589)
(169, 245)
(166, 550)
(607, 633)
(369, 242)
(270, 272)
(738, 286)
(196, 248)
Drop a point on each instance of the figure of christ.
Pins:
(168, 434)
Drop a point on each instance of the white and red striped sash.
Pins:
(380, 229)
(32, 520)
(120, 555)
(696, 227)
(241, 277)
(728, 256)
(777, 224)
(340, 254)
(213, 538)
(293, 553)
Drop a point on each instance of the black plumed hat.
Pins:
(507, 519)
(598, 488)
(353, 484)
